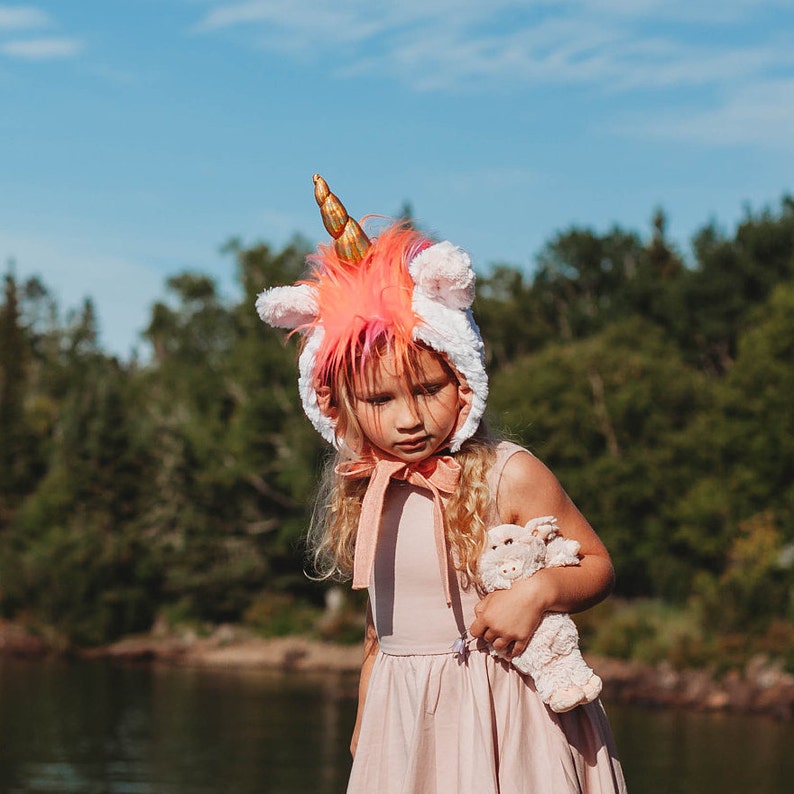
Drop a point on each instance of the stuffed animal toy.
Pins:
(553, 659)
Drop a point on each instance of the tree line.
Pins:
(657, 389)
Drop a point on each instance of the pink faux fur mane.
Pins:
(364, 305)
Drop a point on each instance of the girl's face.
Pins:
(407, 415)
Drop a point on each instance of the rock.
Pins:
(17, 641)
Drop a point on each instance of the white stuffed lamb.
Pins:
(553, 659)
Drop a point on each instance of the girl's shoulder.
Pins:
(505, 450)
(521, 483)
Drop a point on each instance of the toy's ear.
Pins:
(544, 527)
(504, 535)
(494, 538)
(288, 307)
(524, 533)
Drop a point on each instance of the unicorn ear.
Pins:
(444, 273)
(287, 307)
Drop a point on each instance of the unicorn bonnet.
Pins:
(400, 287)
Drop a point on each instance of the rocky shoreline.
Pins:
(763, 687)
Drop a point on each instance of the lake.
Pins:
(103, 728)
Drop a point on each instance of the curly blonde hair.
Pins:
(332, 536)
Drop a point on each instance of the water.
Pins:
(680, 752)
(99, 728)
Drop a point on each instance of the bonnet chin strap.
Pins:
(438, 473)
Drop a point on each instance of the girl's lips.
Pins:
(412, 443)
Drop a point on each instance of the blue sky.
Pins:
(137, 136)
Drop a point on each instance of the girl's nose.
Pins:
(408, 417)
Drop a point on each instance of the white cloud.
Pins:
(18, 20)
(22, 17)
(346, 18)
(712, 12)
(294, 28)
(757, 115)
(440, 44)
(734, 56)
(41, 49)
(665, 64)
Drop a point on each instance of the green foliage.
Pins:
(15, 461)
(756, 585)
(88, 583)
(658, 392)
(612, 417)
(651, 631)
(280, 614)
(647, 631)
(733, 277)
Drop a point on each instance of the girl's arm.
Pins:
(371, 648)
(508, 618)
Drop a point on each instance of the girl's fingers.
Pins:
(478, 628)
(506, 646)
(499, 641)
(502, 645)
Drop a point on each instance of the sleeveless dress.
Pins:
(434, 723)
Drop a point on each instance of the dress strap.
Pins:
(504, 451)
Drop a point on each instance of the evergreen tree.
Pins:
(13, 359)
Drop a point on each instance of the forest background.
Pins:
(178, 489)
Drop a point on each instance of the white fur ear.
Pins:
(444, 273)
(287, 307)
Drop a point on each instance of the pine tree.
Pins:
(13, 357)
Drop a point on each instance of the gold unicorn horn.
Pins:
(349, 239)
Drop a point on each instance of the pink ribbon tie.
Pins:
(439, 474)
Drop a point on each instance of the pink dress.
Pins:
(435, 724)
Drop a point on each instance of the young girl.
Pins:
(391, 373)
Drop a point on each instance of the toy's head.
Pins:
(396, 293)
(512, 553)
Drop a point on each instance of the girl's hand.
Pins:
(507, 619)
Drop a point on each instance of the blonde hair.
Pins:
(332, 536)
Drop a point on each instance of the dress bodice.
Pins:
(407, 597)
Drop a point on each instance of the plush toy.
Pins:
(553, 659)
